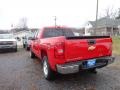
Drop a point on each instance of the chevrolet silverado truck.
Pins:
(8, 42)
(62, 50)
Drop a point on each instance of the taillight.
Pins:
(59, 50)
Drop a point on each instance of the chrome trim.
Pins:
(67, 69)
(73, 67)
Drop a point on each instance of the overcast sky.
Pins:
(39, 13)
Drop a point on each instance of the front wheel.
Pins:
(15, 49)
(48, 73)
(32, 55)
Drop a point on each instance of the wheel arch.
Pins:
(43, 53)
(50, 57)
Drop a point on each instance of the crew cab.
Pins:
(8, 42)
(64, 51)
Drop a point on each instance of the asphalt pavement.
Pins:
(19, 72)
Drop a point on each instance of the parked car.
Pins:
(27, 40)
(60, 50)
(8, 42)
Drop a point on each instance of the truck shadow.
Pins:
(83, 80)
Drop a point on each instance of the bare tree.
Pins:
(110, 13)
(118, 14)
(22, 23)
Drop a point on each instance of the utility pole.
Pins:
(12, 28)
(55, 19)
(96, 18)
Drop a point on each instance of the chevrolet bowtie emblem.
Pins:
(91, 48)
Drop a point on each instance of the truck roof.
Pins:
(56, 27)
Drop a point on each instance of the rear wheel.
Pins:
(48, 73)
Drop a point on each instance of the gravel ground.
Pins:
(19, 72)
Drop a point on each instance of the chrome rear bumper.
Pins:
(74, 67)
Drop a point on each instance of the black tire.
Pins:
(23, 45)
(48, 73)
(27, 48)
(15, 50)
(32, 55)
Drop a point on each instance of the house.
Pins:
(105, 26)
(81, 31)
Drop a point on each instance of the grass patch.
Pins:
(116, 45)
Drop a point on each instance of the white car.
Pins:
(8, 42)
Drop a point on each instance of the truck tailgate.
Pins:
(88, 48)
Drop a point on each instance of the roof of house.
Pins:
(106, 22)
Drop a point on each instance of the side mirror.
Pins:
(23, 37)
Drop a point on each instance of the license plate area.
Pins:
(91, 63)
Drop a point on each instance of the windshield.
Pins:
(6, 36)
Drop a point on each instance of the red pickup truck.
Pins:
(63, 50)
